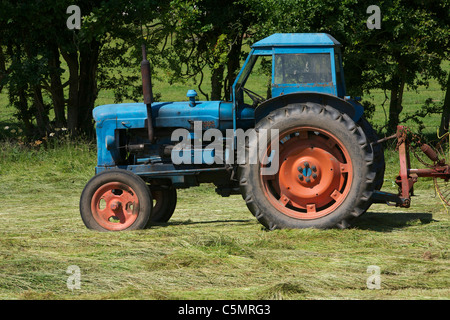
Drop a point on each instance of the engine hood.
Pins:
(165, 114)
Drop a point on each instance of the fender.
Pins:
(353, 109)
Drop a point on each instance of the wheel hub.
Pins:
(313, 176)
(115, 206)
(306, 185)
(309, 172)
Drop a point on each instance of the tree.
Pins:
(406, 51)
(444, 127)
(2, 67)
(206, 34)
(39, 44)
(46, 66)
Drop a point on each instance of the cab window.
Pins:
(302, 68)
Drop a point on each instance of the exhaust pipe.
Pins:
(147, 91)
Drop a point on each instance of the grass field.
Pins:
(212, 248)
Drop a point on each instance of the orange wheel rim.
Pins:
(115, 206)
(314, 177)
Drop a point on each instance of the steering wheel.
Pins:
(256, 98)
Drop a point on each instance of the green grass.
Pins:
(212, 248)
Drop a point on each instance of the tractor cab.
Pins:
(301, 62)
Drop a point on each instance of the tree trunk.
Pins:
(82, 87)
(2, 67)
(56, 88)
(87, 88)
(445, 110)
(233, 64)
(40, 112)
(72, 104)
(395, 105)
(217, 83)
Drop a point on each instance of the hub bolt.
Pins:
(115, 205)
(300, 176)
(306, 164)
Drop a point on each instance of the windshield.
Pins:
(246, 72)
(255, 81)
(302, 68)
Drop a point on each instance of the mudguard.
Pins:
(353, 109)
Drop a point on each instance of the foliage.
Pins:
(36, 37)
(406, 51)
(206, 35)
(53, 75)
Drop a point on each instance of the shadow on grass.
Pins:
(190, 222)
(389, 221)
(375, 221)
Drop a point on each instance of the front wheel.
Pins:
(324, 177)
(115, 200)
(165, 202)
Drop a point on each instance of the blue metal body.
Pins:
(111, 119)
(120, 125)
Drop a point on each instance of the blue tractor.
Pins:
(328, 170)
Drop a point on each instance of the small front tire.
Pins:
(165, 202)
(115, 200)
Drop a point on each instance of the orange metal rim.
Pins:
(115, 206)
(314, 176)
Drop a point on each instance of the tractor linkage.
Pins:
(408, 176)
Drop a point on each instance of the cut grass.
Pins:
(211, 249)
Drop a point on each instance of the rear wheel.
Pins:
(379, 164)
(324, 176)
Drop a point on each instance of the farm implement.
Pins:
(436, 163)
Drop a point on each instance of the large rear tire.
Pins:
(325, 176)
(379, 164)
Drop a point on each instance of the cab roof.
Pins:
(297, 39)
